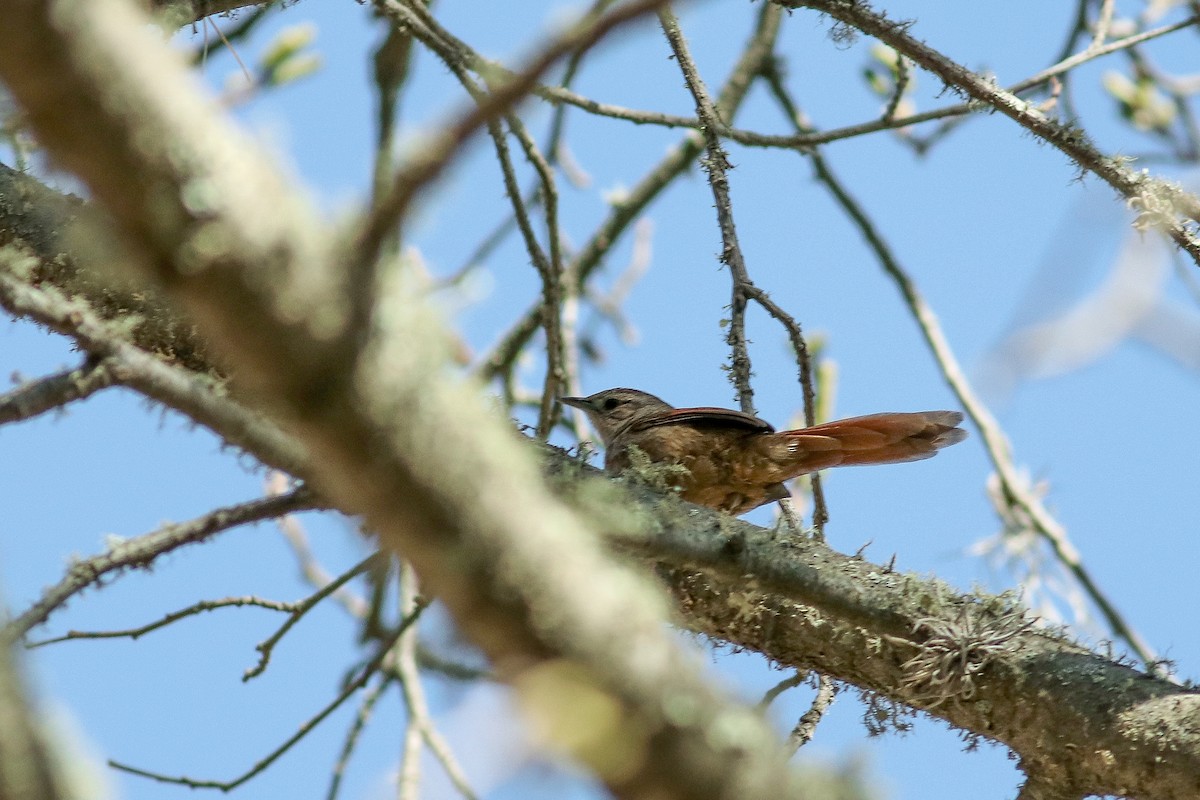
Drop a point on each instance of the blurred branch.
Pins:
(30, 769)
(196, 395)
(391, 62)
(44, 222)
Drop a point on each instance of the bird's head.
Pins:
(612, 410)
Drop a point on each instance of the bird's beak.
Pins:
(577, 402)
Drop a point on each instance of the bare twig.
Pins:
(1161, 205)
(368, 671)
(370, 699)
(743, 288)
(995, 442)
(757, 52)
(716, 163)
(558, 377)
(889, 111)
(141, 552)
(1103, 21)
(420, 722)
(751, 138)
(299, 609)
(421, 170)
(311, 570)
(175, 616)
(797, 678)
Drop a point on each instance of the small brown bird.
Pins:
(737, 462)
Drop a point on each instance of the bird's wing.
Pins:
(723, 417)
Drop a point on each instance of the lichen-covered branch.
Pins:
(1091, 725)
(42, 222)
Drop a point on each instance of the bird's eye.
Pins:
(611, 403)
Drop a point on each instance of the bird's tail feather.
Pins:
(874, 439)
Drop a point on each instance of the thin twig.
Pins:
(743, 288)
(267, 646)
(995, 442)
(627, 209)
(420, 170)
(370, 699)
(549, 266)
(142, 551)
(1163, 206)
(420, 722)
(175, 616)
(797, 678)
(558, 378)
(889, 111)
(408, 781)
(311, 570)
(750, 138)
(716, 163)
(1103, 22)
(368, 671)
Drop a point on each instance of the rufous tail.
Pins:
(874, 439)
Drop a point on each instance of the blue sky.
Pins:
(994, 227)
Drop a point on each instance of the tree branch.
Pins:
(1159, 203)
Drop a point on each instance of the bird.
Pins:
(735, 462)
